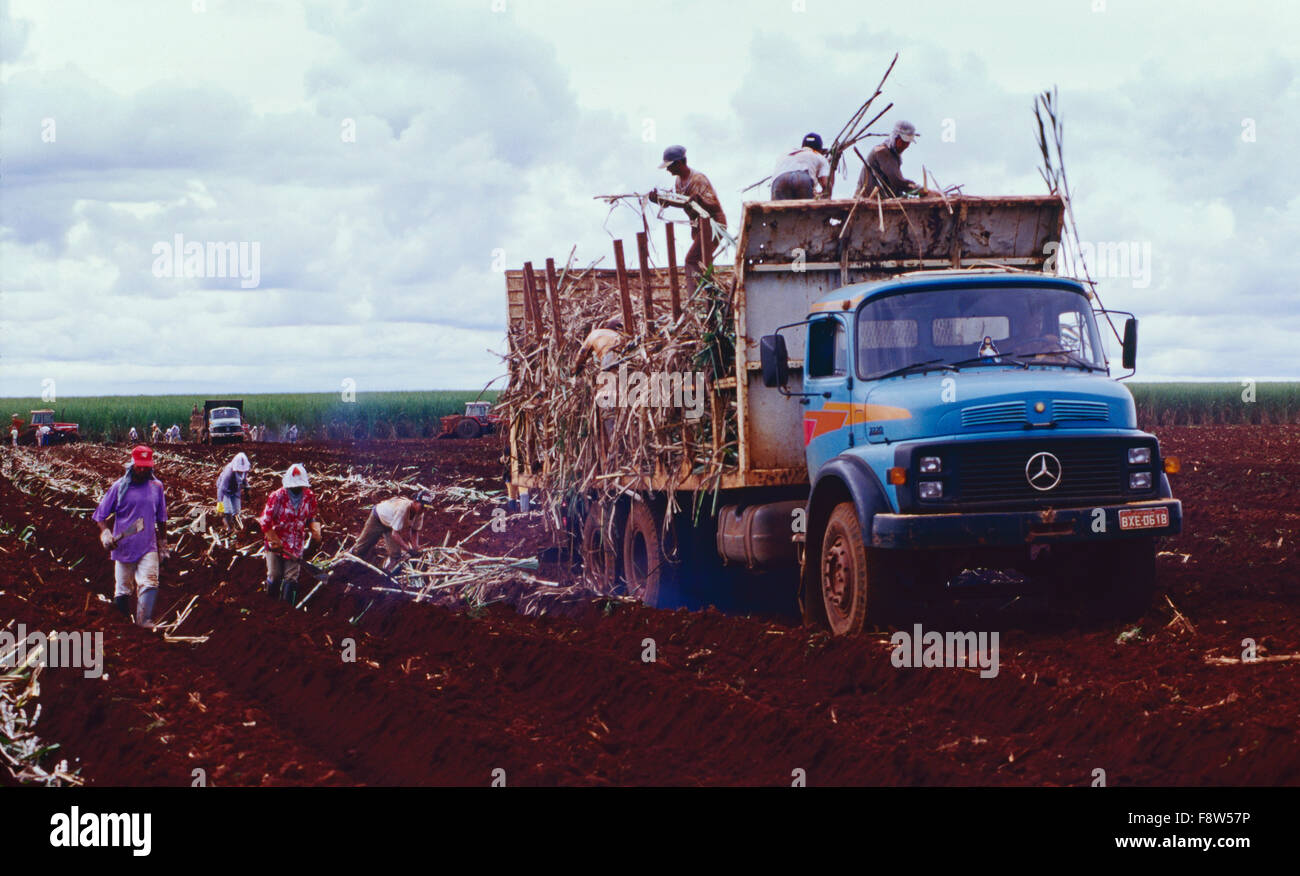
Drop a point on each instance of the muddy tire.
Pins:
(597, 548)
(468, 428)
(651, 557)
(853, 579)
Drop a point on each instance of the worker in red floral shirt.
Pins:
(289, 515)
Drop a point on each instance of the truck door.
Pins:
(828, 420)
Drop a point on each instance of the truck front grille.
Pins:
(994, 473)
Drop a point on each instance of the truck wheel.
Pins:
(468, 428)
(849, 575)
(599, 557)
(651, 558)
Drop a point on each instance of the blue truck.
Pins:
(923, 408)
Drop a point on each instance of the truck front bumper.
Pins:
(1013, 528)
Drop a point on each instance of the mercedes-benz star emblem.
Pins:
(1043, 471)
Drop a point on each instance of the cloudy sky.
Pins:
(386, 159)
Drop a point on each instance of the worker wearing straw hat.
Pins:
(398, 521)
(884, 167)
(138, 537)
(288, 523)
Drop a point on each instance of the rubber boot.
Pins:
(290, 591)
(144, 608)
(123, 604)
(273, 589)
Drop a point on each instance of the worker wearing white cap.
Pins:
(231, 485)
(287, 520)
(884, 167)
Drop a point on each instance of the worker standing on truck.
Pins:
(231, 486)
(13, 435)
(398, 521)
(287, 520)
(138, 538)
(802, 173)
(196, 423)
(884, 167)
(697, 187)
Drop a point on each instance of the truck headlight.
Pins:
(1139, 456)
(930, 489)
(931, 465)
(1139, 480)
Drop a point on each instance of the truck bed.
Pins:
(790, 254)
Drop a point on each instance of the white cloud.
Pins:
(476, 131)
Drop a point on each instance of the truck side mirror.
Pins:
(1130, 343)
(775, 360)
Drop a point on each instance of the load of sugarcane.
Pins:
(647, 413)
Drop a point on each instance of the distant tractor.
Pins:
(477, 420)
(60, 433)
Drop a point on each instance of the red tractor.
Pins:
(59, 433)
(477, 420)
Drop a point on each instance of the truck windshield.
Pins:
(968, 327)
(225, 413)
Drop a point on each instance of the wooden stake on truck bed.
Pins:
(531, 306)
(647, 287)
(553, 287)
(629, 324)
(706, 241)
(673, 291)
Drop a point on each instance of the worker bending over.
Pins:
(232, 483)
(801, 174)
(884, 167)
(398, 521)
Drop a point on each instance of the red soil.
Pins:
(444, 697)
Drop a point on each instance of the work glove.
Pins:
(106, 539)
(164, 552)
(316, 531)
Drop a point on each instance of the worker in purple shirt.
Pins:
(138, 536)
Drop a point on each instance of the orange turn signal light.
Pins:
(897, 476)
(1173, 465)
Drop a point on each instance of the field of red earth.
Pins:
(440, 694)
